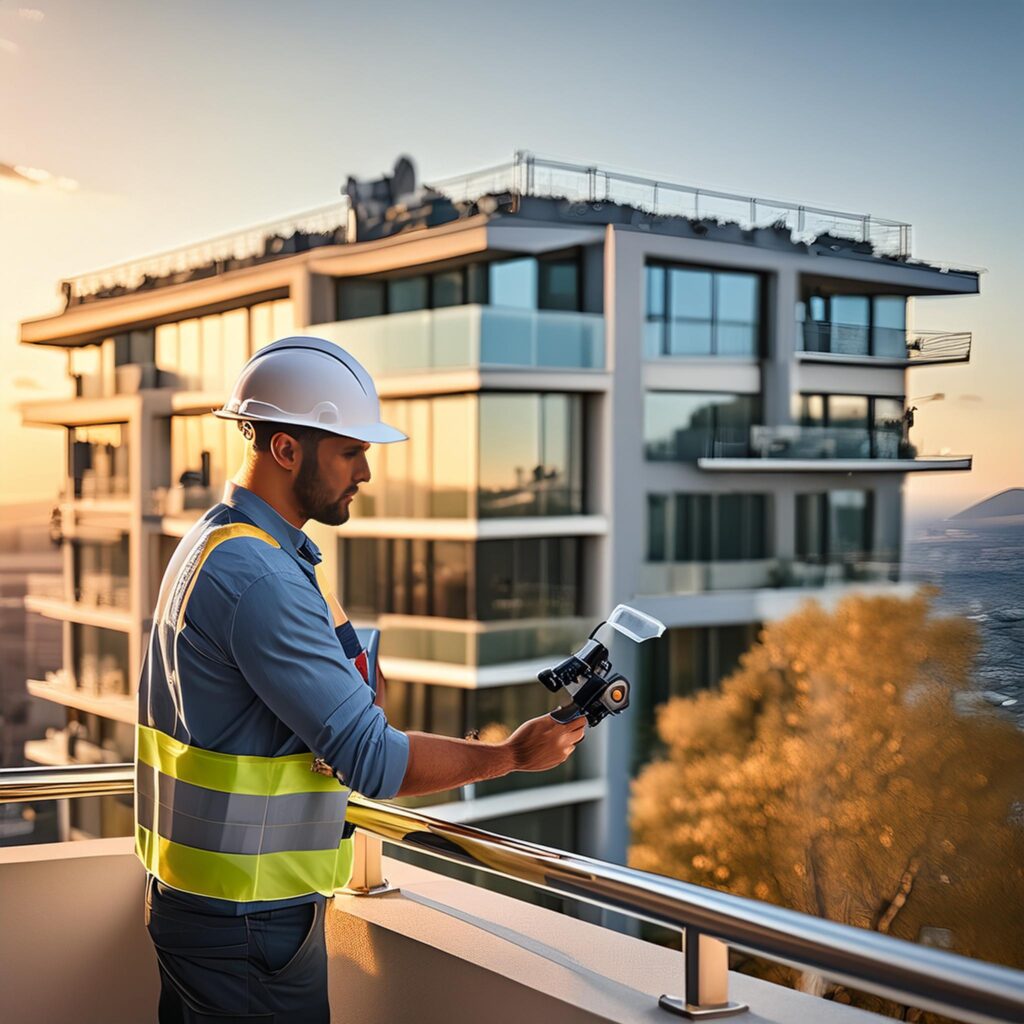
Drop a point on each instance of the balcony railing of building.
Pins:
(322, 226)
(762, 574)
(471, 337)
(711, 922)
(528, 175)
(838, 340)
(783, 447)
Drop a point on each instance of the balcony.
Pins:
(103, 696)
(830, 342)
(471, 337)
(800, 449)
(420, 946)
(658, 578)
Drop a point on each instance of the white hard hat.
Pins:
(309, 382)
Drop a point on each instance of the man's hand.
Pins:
(543, 743)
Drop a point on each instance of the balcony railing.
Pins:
(528, 175)
(761, 574)
(711, 922)
(838, 340)
(326, 225)
(471, 337)
(884, 446)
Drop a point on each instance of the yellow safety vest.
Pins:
(231, 826)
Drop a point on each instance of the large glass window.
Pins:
(507, 454)
(99, 659)
(205, 452)
(859, 325)
(521, 282)
(206, 353)
(834, 526)
(688, 425)
(701, 312)
(854, 426)
(708, 527)
(99, 461)
(491, 580)
(101, 572)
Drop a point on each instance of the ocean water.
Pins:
(980, 574)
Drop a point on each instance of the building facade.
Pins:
(615, 391)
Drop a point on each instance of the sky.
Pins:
(158, 125)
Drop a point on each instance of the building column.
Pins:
(777, 384)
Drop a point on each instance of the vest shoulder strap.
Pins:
(189, 573)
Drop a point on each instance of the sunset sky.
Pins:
(159, 125)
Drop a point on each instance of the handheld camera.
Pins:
(587, 677)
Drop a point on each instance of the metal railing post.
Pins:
(367, 867)
(706, 980)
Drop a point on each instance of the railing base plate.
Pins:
(675, 1005)
(377, 890)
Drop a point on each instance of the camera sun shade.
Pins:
(587, 676)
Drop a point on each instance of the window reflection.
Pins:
(490, 581)
(522, 282)
(854, 426)
(688, 425)
(693, 312)
(490, 454)
(205, 452)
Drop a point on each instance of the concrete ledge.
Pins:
(440, 951)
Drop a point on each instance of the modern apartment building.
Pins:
(615, 390)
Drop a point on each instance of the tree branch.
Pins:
(887, 914)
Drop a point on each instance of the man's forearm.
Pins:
(437, 763)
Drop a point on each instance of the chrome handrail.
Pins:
(933, 979)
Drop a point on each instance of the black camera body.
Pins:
(588, 679)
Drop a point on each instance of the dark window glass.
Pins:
(359, 571)
(358, 297)
(448, 288)
(476, 283)
(451, 579)
(559, 284)
(657, 527)
(407, 293)
(730, 545)
(849, 525)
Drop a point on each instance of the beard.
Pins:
(315, 500)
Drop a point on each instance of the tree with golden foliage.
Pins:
(836, 773)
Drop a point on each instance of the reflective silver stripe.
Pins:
(237, 823)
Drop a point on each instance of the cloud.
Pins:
(8, 46)
(33, 177)
(30, 14)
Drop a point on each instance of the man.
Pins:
(253, 720)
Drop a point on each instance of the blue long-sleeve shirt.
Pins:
(262, 669)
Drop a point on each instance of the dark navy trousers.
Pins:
(261, 968)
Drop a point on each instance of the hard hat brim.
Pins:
(371, 433)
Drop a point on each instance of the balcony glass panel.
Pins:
(889, 326)
(470, 336)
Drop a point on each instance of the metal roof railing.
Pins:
(711, 921)
(263, 241)
(529, 175)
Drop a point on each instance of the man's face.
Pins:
(331, 472)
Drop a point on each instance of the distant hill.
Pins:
(1004, 508)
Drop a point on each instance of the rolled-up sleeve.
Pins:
(285, 646)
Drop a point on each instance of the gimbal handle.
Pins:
(567, 714)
